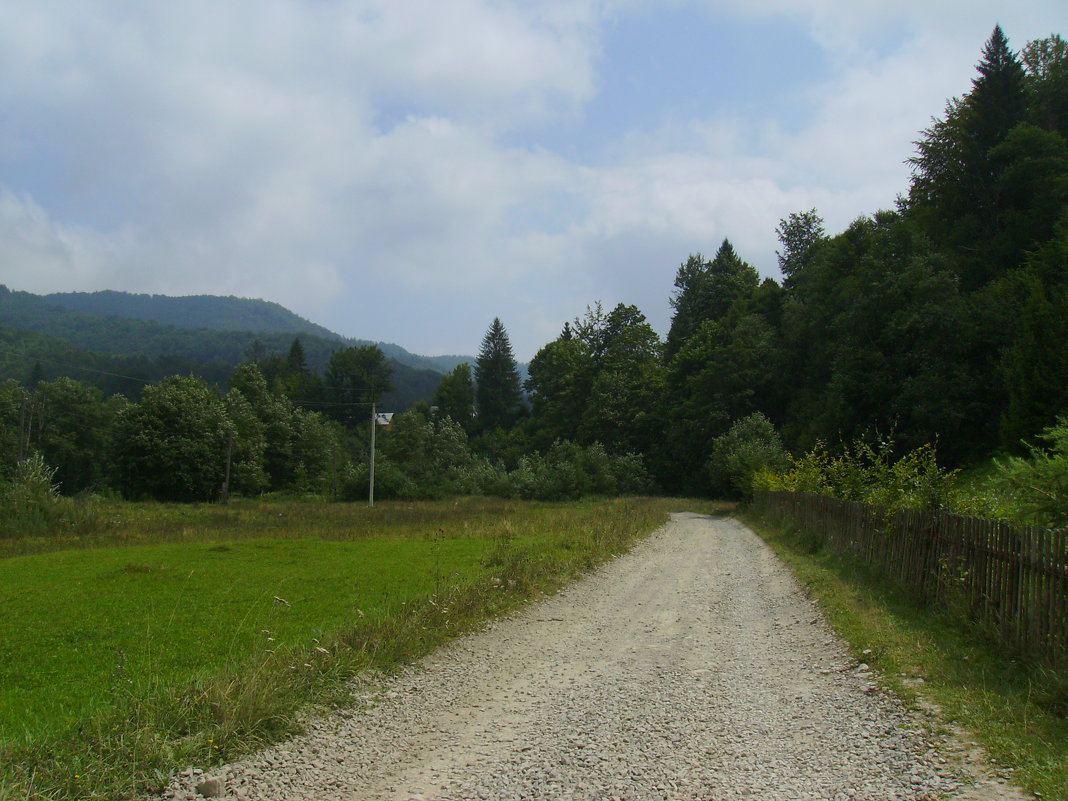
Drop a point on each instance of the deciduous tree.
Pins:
(455, 396)
(355, 378)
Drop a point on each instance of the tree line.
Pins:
(281, 427)
(941, 322)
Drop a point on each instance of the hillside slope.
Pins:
(218, 313)
(193, 311)
(67, 342)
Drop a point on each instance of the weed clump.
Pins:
(31, 506)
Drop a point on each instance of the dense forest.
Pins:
(942, 322)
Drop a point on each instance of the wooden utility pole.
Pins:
(371, 485)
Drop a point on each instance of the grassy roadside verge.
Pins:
(1017, 711)
(190, 635)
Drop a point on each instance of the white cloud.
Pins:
(352, 158)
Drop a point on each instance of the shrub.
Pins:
(867, 474)
(750, 445)
(30, 503)
(569, 471)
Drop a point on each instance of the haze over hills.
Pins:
(102, 337)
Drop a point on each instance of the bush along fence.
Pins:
(1010, 579)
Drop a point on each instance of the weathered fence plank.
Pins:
(1012, 579)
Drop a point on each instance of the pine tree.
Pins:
(498, 394)
(955, 189)
(997, 98)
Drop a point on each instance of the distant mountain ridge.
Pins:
(216, 312)
(47, 339)
(228, 313)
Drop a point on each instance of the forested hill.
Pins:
(194, 311)
(229, 313)
(161, 325)
(44, 340)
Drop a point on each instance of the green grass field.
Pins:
(97, 625)
(179, 634)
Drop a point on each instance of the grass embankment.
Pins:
(177, 635)
(1017, 711)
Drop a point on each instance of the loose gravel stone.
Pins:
(692, 667)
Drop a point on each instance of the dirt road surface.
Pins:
(692, 667)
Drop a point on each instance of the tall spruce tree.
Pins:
(497, 393)
(955, 193)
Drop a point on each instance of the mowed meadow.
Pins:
(174, 635)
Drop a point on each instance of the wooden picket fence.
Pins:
(1011, 579)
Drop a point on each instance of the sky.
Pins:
(407, 170)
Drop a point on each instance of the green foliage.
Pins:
(122, 353)
(172, 445)
(799, 234)
(1039, 483)
(355, 378)
(988, 184)
(423, 458)
(720, 374)
(455, 396)
(560, 375)
(569, 471)
(877, 335)
(497, 393)
(193, 311)
(245, 452)
(72, 431)
(1035, 366)
(626, 385)
(867, 474)
(706, 291)
(1046, 81)
(750, 446)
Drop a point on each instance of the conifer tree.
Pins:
(498, 394)
(298, 363)
(955, 189)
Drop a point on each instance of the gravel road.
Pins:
(693, 667)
